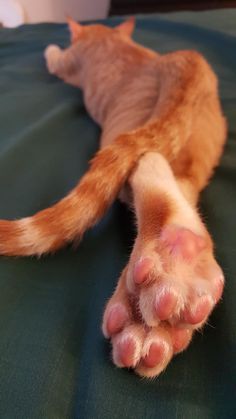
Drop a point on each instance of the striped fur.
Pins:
(52, 228)
(105, 62)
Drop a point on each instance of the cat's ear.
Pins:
(127, 27)
(75, 29)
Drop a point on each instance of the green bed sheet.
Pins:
(54, 362)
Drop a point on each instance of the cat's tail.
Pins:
(67, 220)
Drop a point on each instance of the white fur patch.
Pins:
(32, 238)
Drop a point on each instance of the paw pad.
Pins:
(182, 241)
(156, 354)
(114, 319)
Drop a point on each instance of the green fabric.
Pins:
(54, 362)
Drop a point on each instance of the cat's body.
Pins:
(162, 135)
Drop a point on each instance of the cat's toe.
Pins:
(195, 314)
(127, 346)
(159, 302)
(159, 346)
(115, 317)
(157, 352)
(181, 337)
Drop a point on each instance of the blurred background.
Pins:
(16, 12)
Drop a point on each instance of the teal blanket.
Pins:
(54, 362)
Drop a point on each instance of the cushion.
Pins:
(54, 361)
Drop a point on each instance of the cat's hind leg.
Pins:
(172, 266)
(172, 281)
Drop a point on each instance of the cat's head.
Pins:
(79, 33)
(100, 55)
(102, 61)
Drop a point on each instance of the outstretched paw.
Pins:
(52, 54)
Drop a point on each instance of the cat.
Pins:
(163, 133)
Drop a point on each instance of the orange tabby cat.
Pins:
(162, 135)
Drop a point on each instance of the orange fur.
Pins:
(162, 135)
(185, 84)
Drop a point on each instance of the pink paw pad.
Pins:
(197, 314)
(126, 352)
(213, 273)
(180, 339)
(142, 269)
(116, 319)
(156, 355)
(165, 304)
(182, 241)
